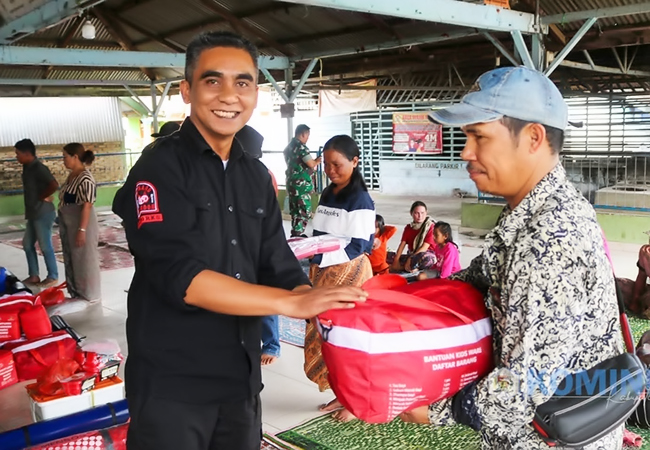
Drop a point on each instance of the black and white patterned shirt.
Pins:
(81, 189)
(550, 289)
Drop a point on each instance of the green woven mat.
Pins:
(324, 433)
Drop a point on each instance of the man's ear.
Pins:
(185, 91)
(536, 136)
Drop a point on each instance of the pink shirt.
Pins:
(448, 259)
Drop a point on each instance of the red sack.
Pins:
(8, 374)
(35, 322)
(34, 357)
(53, 295)
(10, 308)
(407, 346)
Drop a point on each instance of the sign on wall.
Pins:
(415, 133)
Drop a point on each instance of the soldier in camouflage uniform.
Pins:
(300, 185)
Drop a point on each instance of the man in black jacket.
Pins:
(211, 257)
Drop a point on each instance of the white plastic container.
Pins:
(107, 391)
(113, 392)
(61, 406)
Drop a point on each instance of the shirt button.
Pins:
(260, 211)
(234, 242)
(238, 275)
(209, 204)
(230, 208)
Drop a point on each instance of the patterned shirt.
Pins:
(298, 173)
(81, 189)
(550, 289)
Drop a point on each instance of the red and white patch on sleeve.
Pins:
(146, 203)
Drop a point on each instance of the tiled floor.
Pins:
(288, 397)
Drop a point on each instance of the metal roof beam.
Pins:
(616, 11)
(51, 13)
(34, 56)
(499, 46)
(522, 50)
(429, 39)
(570, 46)
(51, 82)
(603, 69)
(452, 12)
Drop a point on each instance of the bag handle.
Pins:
(404, 299)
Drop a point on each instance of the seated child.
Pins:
(377, 257)
(446, 250)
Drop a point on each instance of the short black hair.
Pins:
(554, 136)
(416, 204)
(26, 146)
(212, 39)
(347, 147)
(301, 129)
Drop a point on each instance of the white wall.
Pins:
(419, 177)
(274, 129)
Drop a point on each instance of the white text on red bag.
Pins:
(407, 346)
(10, 308)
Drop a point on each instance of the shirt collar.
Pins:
(198, 143)
(513, 220)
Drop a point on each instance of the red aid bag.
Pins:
(35, 322)
(34, 357)
(10, 309)
(407, 346)
(7, 369)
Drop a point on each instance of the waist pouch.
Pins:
(591, 404)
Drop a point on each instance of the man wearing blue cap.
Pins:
(546, 277)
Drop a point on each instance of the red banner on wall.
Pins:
(415, 133)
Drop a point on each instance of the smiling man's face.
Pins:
(223, 94)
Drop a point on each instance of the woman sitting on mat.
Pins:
(346, 211)
(418, 238)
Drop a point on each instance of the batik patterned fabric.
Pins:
(550, 289)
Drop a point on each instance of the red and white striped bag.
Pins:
(408, 345)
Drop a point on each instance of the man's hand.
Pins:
(418, 415)
(49, 199)
(407, 266)
(308, 303)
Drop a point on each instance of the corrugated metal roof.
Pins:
(60, 120)
(298, 28)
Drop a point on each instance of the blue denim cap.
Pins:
(516, 92)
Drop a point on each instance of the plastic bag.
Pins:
(49, 383)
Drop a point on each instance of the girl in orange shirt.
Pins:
(383, 233)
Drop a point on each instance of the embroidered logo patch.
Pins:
(146, 203)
